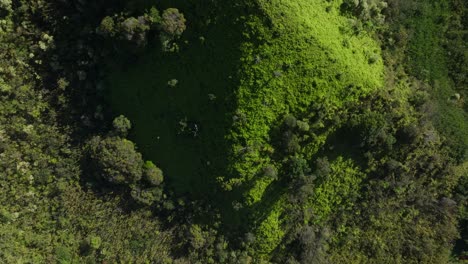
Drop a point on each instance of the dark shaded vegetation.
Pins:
(233, 131)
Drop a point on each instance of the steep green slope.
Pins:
(302, 56)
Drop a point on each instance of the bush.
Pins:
(146, 196)
(270, 172)
(303, 126)
(291, 142)
(6, 5)
(298, 167)
(122, 125)
(116, 159)
(129, 27)
(173, 22)
(290, 121)
(323, 167)
(153, 17)
(63, 255)
(94, 242)
(152, 174)
(107, 26)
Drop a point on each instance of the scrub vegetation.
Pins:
(252, 131)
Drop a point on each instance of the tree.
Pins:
(152, 174)
(135, 29)
(153, 17)
(291, 142)
(107, 27)
(173, 22)
(115, 159)
(146, 196)
(121, 125)
(290, 121)
(270, 172)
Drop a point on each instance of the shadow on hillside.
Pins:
(180, 102)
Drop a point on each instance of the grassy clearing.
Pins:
(165, 116)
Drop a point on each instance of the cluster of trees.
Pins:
(365, 13)
(409, 176)
(115, 160)
(170, 25)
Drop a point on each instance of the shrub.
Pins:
(107, 26)
(270, 172)
(298, 167)
(146, 196)
(63, 255)
(153, 17)
(94, 242)
(5, 216)
(129, 27)
(152, 174)
(122, 125)
(323, 167)
(116, 159)
(173, 22)
(6, 5)
(172, 82)
(290, 121)
(291, 142)
(303, 126)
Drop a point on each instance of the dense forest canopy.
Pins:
(251, 131)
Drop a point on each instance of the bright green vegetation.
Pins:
(303, 61)
(252, 131)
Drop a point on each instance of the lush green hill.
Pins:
(251, 131)
(280, 58)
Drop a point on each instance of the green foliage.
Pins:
(107, 26)
(116, 160)
(369, 11)
(197, 239)
(337, 189)
(269, 233)
(270, 172)
(173, 22)
(121, 125)
(154, 17)
(290, 121)
(302, 126)
(63, 255)
(94, 242)
(146, 196)
(135, 30)
(6, 5)
(312, 150)
(152, 174)
(428, 61)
